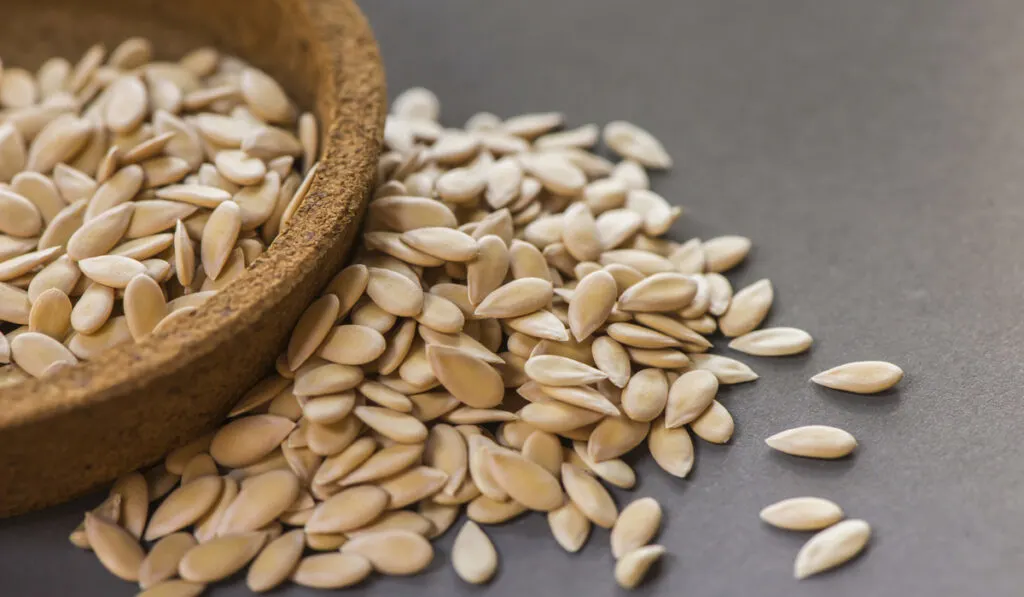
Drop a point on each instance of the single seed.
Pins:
(219, 558)
(672, 449)
(394, 553)
(331, 570)
(802, 514)
(832, 547)
(261, 500)
(862, 377)
(589, 496)
(781, 341)
(117, 550)
(715, 425)
(569, 526)
(633, 566)
(161, 563)
(636, 526)
(724, 252)
(473, 555)
(525, 481)
(276, 562)
(689, 397)
(814, 441)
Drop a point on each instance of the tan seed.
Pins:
(348, 510)
(385, 463)
(144, 305)
(413, 485)
(184, 506)
(276, 562)
(802, 514)
(582, 397)
(51, 314)
(174, 588)
(689, 397)
(399, 427)
(473, 555)
(633, 142)
(659, 292)
(545, 449)
(517, 298)
(526, 482)
(330, 570)
(161, 563)
(611, 358)
(727, 370)
(715, 425)
(862, 377)
(350, 344)
(723, 253)
(557, 417)
(569, 526)
(672, 449)
(632, 567)
(615, 436)
(338, 466)
(35, 353)
(637, 525)
(554, 370)
(207, 526)
(748, 309)
(219, 558)
(814, 441)
(261, 500)
(246, 440)
(612, 470)
(779, 341)
(832, 547)
(394, 553)
(219, 237)
(645, 396)
(318, 377)
(468, 378)
(394, 293)
(117, 550)
(446, 450)
(314, 325)
(589, 496)
(134, 502)
(591, 303)
(540, 324)
(527, 261)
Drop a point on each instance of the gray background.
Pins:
(874, 151)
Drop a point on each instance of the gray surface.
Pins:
(874, 151)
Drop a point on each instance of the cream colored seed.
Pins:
(569, 526)
(863, 377)
(589, 496)
(636, 526)
(632, 567)
(473, 555)
(395, 553)
(832, 547)
(219, 558)
(802, 514)
(814, 441)
(715, 425)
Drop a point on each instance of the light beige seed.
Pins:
(634, 143)
(401, 520)
(328, 570)
(394, 553)
(674, 328)
(219, 237)
(832, 547)
(14, 304)
(35, 353)
(114, 271)
(480, 470)
(473, 555)
(612, 470)
(714, 425)
(441, 315)
(802, 514)
(268, 143)
(611, 358)
(861, 377)
(261, 500)
(545, 449)
(144, 305)
(589, 495)
(659, 292)
(385, 396)
(633, 566)
(93, 309)
(146, 247)
(515, 299)
(484, 510)
(314, 325)
(554, 370)
(442, 242)
(615, 436)
(117, 190)
(348, 286)
(338, 466)
(401, 213)
(246, 440)
(503, 182)
(385, 463)
(527, 261)
(257, 202)
(569, 526)
(747, 310)
(557, 417)
(117, 550)
(100, 234)
(51, 314)
(161, 563)
(265, 97)
(672, 448)
(525, 481)
(394, 293)
(723, 253)
(219, 558)
(41, 192)
(413, 485)
(318, 377)
(591, 303)
(397, 426)
(350, 344)
(194, 194)
(156, 215)
(814, 441)
(184, 506)
(112, 333)
(556, 173)
(446, 450)
(134, 502)
(582, 397)
(645, 396)
(580, 234)
(126, 104)
(174, 588)
(689, 397)
(348, 510)
(207, 526)
(328, 409)
(468, 378)
(779, 341)
(59, 141)
(727, 370)
(636, 526)
(12, 152)
(225, 131)
(276, 562)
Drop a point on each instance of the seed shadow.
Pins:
(884, 402)
(813, 466)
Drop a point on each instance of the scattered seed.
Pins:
(636, 526)
(832, 547)
(813, 441)
(802, 514)
(633, 566)
(473, 555)
(862, 377)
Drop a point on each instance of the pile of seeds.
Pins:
(132, 190)
(510, 326)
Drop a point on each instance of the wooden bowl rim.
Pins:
(356, 82)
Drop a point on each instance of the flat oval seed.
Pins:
(611, 358)
(473, 555)
(636, 526)
(35, 353)
(725, 369)
(397, 426)
(645, 396)
(554, 370)
(672, 449)
(813, 441)
(174, 588)
(659, 292)
(276, 562)
(632, 567)
(781, 341)
(101, 234)
(723, 253)
(689, 396)
(261, 500)
(114, 271)
(442, 242)
(184, 506)
(394, 293)
(569, 527)
(314, 325)
(589, 496)
(614, 436)
(246, 440)
(861, 377)
(526, 482)
(591, 303)
(351, 344)
(219, 237)
(517, 298)
(413, 485)
(93, 309)
(832, 547)
(161, 563)
(747, 310)
(117, 550)
(144, 305)
(715, 425)
(612, 470)
(802, 514)
(349, 510)
(219, 558)
(468, 378)
(446, 451)
(394, 553)
(331, 570)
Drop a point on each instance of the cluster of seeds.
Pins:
(510, 326)
(132, 190)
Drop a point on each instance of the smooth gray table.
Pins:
(874, 150)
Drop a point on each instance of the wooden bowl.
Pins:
(70, 433)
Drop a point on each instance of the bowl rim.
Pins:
(358, 89)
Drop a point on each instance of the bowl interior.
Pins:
(125, 409)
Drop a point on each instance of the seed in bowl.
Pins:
(136, 186)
